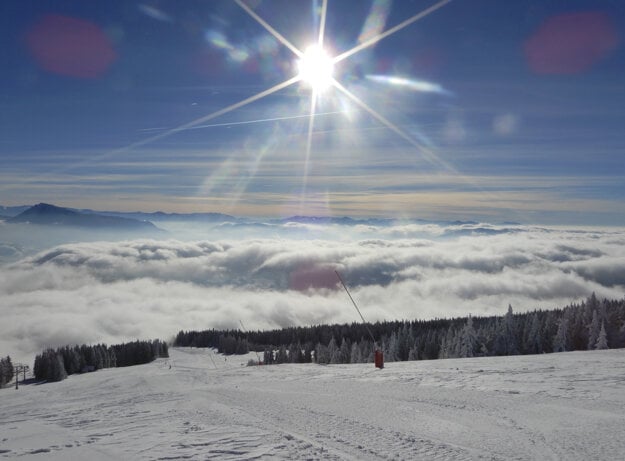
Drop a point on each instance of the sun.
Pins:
(316, 68)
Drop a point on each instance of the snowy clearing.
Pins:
(557, 406)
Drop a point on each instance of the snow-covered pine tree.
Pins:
(355, 356)
(510, 336)
(534, 343)
(366, 351)
(405, 341)
(561, 339)
(344, 351)
(6, 371)
(282, 356)
(602, 340)
(391, 353)
(621, 336)
(333, 352)
(593, 330)
(321, 354)
(447, 341)
(468, 340)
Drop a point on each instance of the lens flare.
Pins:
(316, 68)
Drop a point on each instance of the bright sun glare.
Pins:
(315, 68)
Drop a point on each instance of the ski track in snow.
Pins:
(557, 406)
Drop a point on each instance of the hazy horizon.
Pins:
(565, 220)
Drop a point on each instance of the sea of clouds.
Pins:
(111, 291)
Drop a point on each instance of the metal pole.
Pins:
(354, 303)
(245, 331)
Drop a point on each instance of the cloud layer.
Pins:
(113, 291)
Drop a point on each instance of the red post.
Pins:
(379, 359)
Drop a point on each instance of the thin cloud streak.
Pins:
(250, 122)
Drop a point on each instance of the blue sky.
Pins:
(483, 109)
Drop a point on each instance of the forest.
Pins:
(56, 365)
(6, 371)
(591, 324)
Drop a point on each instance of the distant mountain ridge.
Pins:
(46, 214)
(10, 211)
(342, 220)
(162, 216)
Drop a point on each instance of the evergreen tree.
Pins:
(431, 346)
(282, 356)
(308, 353)
(322, 355)
(446, 345)
(468, 340)
(533, 343)
(355, 356)
(602, 340)
(6, 371)
(621, 336)
(333, 352)
(296, 355)
(561, 339)
(391, 351)
(405, 340)
(345, 351)
(593, 330)
(509, 333)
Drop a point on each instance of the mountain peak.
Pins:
(46, 208)
(47, 214)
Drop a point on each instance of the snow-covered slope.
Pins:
(198, 405)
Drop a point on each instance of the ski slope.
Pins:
(558, 406)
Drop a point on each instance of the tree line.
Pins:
(591, 324)
(57, 364)
(6, 371)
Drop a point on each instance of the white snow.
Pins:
(558, 406)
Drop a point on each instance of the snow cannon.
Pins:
(378, 358)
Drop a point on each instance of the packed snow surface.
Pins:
(199, 405)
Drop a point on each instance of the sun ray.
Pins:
(427, 153)
(270, 29)
(392, 30)
(186, 126)
(322, 25)
(218, 113)
(313, 103)
(311, 124)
